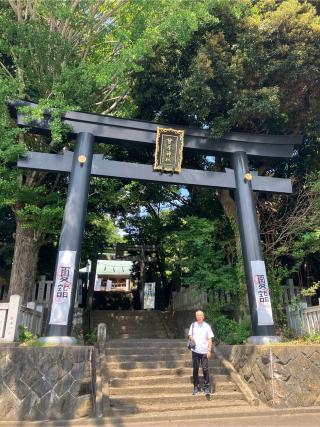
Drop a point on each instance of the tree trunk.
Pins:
(230, 210)
(24, 265)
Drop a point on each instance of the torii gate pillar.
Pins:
(256, 279)
(67, 264)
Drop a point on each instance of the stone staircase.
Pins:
(147, 374)
(131, 324)
(154, 376)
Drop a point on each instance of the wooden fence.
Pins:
(191, 298)
(303, 319)
(32, 319)
(42, 290)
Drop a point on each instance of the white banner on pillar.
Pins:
(109, 285)
(63, 288)
(149, 295)
(97, 284)
(261, 291)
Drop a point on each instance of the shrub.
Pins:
(228, 331)
(90, 337)
(25, 335)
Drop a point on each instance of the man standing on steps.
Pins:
(201, 333)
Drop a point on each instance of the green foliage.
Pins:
(226, 330)
(57, 107)
(311, 291)
(205, 253)
(74, 55)
(90, 337)
(25, 335)
(247, 70)
(313, 338)
(250, 68)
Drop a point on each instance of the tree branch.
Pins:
(116, 103)
(5, 69)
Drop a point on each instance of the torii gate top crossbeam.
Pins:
(115, 130)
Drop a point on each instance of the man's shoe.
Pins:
(195, 391)
(207, 391)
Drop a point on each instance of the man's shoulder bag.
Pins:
(191, 344)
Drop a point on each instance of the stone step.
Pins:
(183, 389)
(137, 336)
(166, 379)
(140, 334)
(135, 328)
(125, 315)
(143, 343)
(198, 411)
(140, 372)
(162, 357)
(172, 403)
(128, 319)
(128, 322)
(127, 312)
(153, 332)
(118, 342)
(155, 364)
(152, 351)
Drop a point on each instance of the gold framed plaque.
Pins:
(169, 150)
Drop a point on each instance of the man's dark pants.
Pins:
(197, 361)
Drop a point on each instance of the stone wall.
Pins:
(178, 321)
(279, 375)
(46, 382)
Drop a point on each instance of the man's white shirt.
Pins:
(201, 334)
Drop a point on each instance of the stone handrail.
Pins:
(242, 385)
(9, 314)
(13, 314)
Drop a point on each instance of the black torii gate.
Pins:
(82, 163)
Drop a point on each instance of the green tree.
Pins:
(78, 54)
(254, 69)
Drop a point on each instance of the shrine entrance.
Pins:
(120, 278)
(170, 141)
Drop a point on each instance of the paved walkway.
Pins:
(299, 417)
(295, 420)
